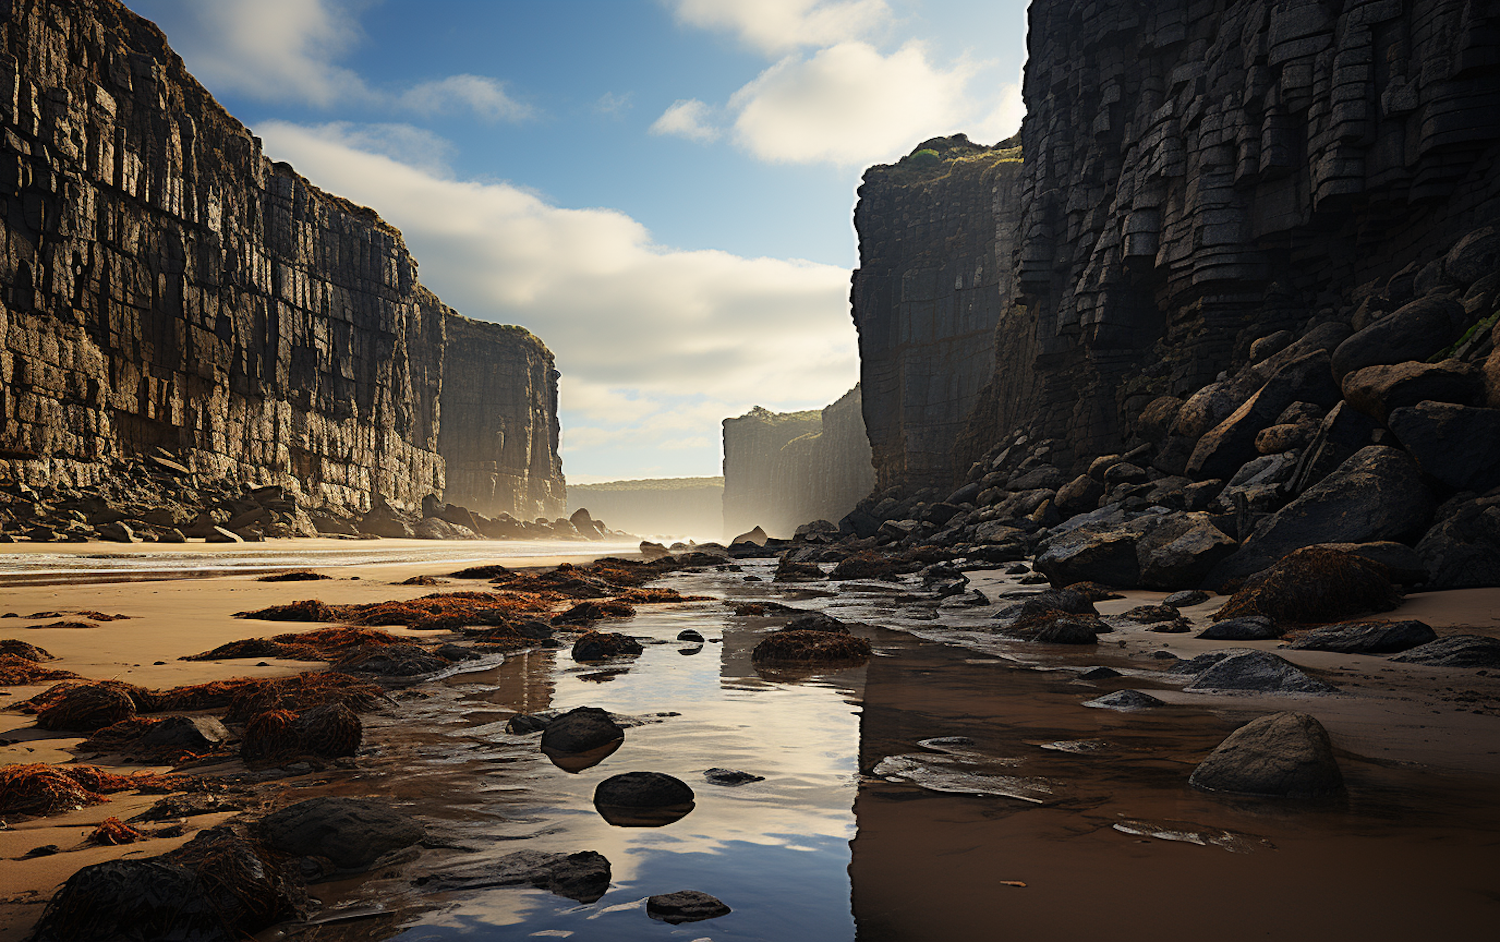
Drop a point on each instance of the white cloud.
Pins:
(775, 26)
(401, 142)
(850, 104)
(656, 345)
(687, 118)
(285, 50)
(484, 96)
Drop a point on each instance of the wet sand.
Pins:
(825, 848)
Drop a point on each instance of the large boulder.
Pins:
(1414, 331)
(1367, 637)
(86, 709)
(1283, 755)
(351, 832)
(1231, 443)
(580, 730)
(1088, 555)
(1245, 628)
(1313, 584)
(643, 799)
(1341, 433)
(685, 906)
(1377, 494)
(1457, 445)
(583, 877)
(1377, 390)
(1181, 552)
(132, 901)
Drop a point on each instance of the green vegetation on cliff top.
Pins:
(940, 157)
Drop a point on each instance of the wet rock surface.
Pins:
(578, 730)
(1284, 755)
(351, 832)
(1367, 637)
(1255, 672)
(685, 906)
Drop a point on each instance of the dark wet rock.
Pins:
(185, 734)
(1377, 494)
(816, 621)
(1257, 672)
(187, 805)
(1367, 637)
(456, 652)
(1284, 755)
(1078, 496)
(602, 645)
(1402, 564)
(730, 777)
(1163, 656)
(1099, 673)
(351, 832)
(1125, 701)
(1455, 651)
(1069, 600)
(523, 723)
(1315, 584)
(817, 646)
(1147, 614)
(330, 730)
(1247, 628)
(1062, 629)
(1199, 663)
(642, 799)
(1462, 550)
(592, 610)
(1231, 443)
(1091, 556)
(583, 877)
(579, 730)
(131, 901)
(1178, 627)
(1091, 591)
(1186, 598)
(1456, 445)
(685, 906)
(690, 634)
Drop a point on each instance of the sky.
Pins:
(662, 190)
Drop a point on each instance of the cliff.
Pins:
(662, 507)
(782, 470)
(1198, 176)
(936, 232)
(167, 286)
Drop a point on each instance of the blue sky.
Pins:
(661, 190)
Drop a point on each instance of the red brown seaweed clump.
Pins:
(113, 832)
(41, 789)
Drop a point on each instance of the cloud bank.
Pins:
(655, 344)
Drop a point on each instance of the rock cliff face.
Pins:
(936, 234)
(782, 470)
(165, 285)
(1200, 175)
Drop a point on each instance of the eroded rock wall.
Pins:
(674, 507)
(936, 235)
(1199, 175)
(165, 285)
(782, 470)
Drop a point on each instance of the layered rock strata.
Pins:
(936, 233)
(1256, 281)
(785, 469)
(168, 286)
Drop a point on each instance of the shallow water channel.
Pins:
(1041, 820)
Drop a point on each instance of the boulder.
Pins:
(581, 729)
(730, 778)
(86, 709)
(1284, 437)
(1126, 701)
(1455, 651)
(185, 733)
(1314, 584)
(1043, 478)
(1367, 637)
(1186, 598)
(684, 906)
(602, 645)
(691, 635)
(1462, 550)
(1377, 390)
(1342, 432)
(1401, 563)
(1377, 494)
(1456, 445)
(1283, 755)
(756, 537)
(116, 532)
(1415, 331)
(795, 646)
(1155, 421)
(351, 832)
(1474, 256)
(1248, 628)
(1107, 556)
(437, 528)
(132, 901)
(642, 799)
(1256, 672)
(1181, 552)
(1231, 443)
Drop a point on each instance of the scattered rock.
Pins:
(1367, 637)
(578, 730)
(1125, 701)
(583, 877)
(1283, 755)
(684, 906)
(690, 634)
(1455, 651)
(1186, 598)
(1256, 672)
(87, 708)
(642, 799)
(1099, 673)
(731, 777)
(602, 645)
(820, 646)
(1314, 585)
(351, 832)
(1246, 628)
(185, 734)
